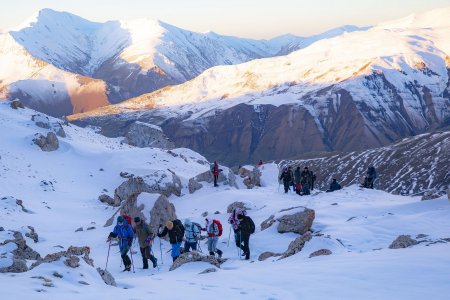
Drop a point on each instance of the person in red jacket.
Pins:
(215, 171)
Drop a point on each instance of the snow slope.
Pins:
(357, 228)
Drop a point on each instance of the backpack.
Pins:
(128, 218)
(251, 225)
(199, 227)
(177, 223)
(219, 226)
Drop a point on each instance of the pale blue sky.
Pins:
(245, 18)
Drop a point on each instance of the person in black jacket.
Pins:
(371, 176)
(242, 235)
(287, 179)
(176, 235)
(297, 180)
(334, 186)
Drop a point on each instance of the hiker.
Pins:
(191, 234)
(124, 233)
(245, 228)
(334, 186)
(145, 239)
(213, 228)
(313, 179)
(306, 181)
(260, 163)
(176, 234)
(215, 171)
(286, 177)
(371, 176)
(297, 179)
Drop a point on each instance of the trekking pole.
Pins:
(240, 243)
(229, 236)
(132, 263)
(160, 251)
(107, 258)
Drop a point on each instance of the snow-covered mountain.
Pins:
(55, 194)
(355, 91)
(53, 60)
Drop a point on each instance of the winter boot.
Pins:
(127, 268)
(211, 253)
(154, 261)
(219, 252)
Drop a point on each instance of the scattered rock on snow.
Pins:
(107, 277)
(72, 261)
(268, 222)
(16, 104)
(91, 228)
(204, 214)
(299, 222)
(252, 178)
(193, 185)
(32, 234)
(297, 245)
(108, 200)
(79, 229)
(2, 229)
(195, 256)
(48, 143)
(57, 275)
(209, 270)
(403, 241)
(83, 282)
(147, 135)
(265, 255)
(320, 253)
(126, 175)
(237, 204)
(430, 195)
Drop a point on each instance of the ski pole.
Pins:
(240, 243)
(131, 253)
(107, 258)
(229, 236)
(160, 251)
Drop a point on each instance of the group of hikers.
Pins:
(302, 182)
(189, 232)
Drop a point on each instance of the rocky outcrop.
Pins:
(162, 211)
(44, 122)
(208, 270)
(32, 234)
(299, 222)
(297, 245)
(16, 104)
(48, 143)
(320, 253)
(195, 256)
(72, 261)
(226, 177)
(20, 252)
(193, 185)
(403, 241)
(251, 178)
(147, 135)
(107, 277)
(265, 255)
(268, 222)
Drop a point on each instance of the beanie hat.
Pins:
(169, 225)
(137, 219)
(119, 219)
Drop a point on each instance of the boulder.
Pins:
(297, 245)
(251, 178)
(195, 256)
(18, 254)
(162, 211)
(108, 200)
(299, 222)
(48, 143)
(147, 135)
(107, 277)
(193, 185)
(226, 177)
(17, 266)
(32, 234)
(268, 222)
(72, 261)
(237, 204)
(41, 121)
(265, 255)
(403, 241)
(23, 251)
(320, 252)
(208, 270)
(16, 104)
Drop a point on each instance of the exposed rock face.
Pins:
(268, 222)
(72, 257)
(161, 213)
(32, 234)
(44, 122)
(299, 222)
(320, 252)
(72, 261)
(424, 155)
(23, 251)
(19, 254)
(237, 204)
(195, 256)
(163, 182)
(48, 143)
(403, 241)
(251, 178)
(16, 104)
(107, 277)
(297, 245)
(18, 266)
(147, 135)
(265, 255)
(193, 185)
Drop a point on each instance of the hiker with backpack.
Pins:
(124, 233)
(334, 186)
(287, 179)
(214, 230)
(297, 179)
(215, 171)
(175, 229)
(371, 175)
(192, 235)
(245, 228)
(145, 239)
(306, 179)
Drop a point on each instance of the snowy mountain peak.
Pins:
(435, 18)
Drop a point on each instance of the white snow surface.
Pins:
(358, 230)
(404, 52)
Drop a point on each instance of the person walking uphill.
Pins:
(191, 234)
(176, 233)
(215, 171)
(371, 176)
(124, 233)
(213, 230)
(245, 228)
(145, 239)
(287, 179)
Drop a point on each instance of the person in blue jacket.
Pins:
(124, 233)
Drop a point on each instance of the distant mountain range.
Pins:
(60, 64)
(355, 91)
